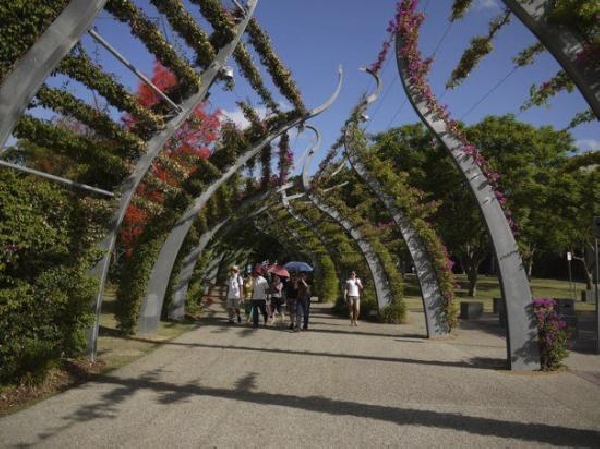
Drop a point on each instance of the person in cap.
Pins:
(352, 293)
(234, 293)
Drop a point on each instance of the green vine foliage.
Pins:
(373, 235)
(345, 254)
(539, 95)
(23, 22)
(280, 75)
(326, 282)
(64, 102)
(251, 73)
(526, 56)
(581, 15)
(147, 31)
(83, 70)
(410, 201)
(109, 168)
(185, 25)
(135, 273)
(460, 8)
(480, 46)
(222, 22)
(46, 236)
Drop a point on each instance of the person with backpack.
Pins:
(234, 293)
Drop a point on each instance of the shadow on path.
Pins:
(170, 393)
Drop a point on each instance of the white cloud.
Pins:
(238, 118)
(487, 5)
(587, 145)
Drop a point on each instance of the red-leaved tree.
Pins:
(190, 142)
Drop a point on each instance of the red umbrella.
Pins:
(278, 269)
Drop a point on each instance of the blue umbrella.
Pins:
(295, 265)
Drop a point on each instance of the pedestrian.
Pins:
(249, 290)
(234, 293)
(352, 294)
(302, 302)
(291, 291)
(259, 297)
(276, 292)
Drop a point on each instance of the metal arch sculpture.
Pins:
(177, 311)
(300, 219)
(29, 73)
(436, 323)
(382, 284)
(285, 201)
(161, 271)
(564, 43)
(522, 348)
(154, 147)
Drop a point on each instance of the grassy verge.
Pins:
(488, 288)
(116, 350)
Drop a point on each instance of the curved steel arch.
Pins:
(381, 281)
(161, 271)
(522, 349)
(144, 163)
(436, 323)
(564, 44)
(177, 310)
(29, 73)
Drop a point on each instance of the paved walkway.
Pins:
(373, 385)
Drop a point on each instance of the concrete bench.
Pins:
(566, 308)
(496, 305)
(471, 310)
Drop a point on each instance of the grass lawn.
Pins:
(488, 288)
(116, 350)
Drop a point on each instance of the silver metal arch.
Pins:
(382, 286)
(28, 74)
(154, 147)
(436, 324)
(161, 271)
(177, 311)
(522, 349)
(564, 43)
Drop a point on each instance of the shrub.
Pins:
(553, 335)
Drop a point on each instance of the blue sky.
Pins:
(313, 37)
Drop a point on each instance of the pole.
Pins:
(570, 278)
(596, 295)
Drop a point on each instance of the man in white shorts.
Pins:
(352, 293)
(234, 292)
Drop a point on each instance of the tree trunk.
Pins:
(472, 276)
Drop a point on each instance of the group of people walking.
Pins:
(260, 296)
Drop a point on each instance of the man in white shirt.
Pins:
(352, 293)
(259, 297)
(234, 292)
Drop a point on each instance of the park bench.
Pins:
(471, 310)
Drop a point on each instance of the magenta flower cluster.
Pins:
(553, 334)
(406, 24)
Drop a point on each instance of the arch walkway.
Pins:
(373, 385)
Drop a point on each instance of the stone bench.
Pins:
(471, 310)
(566, 308)
(496, 305)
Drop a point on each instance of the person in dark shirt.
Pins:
(291, 291)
